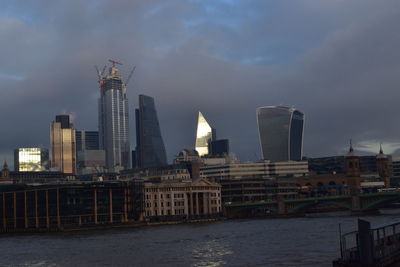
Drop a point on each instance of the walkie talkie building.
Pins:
(281, 133)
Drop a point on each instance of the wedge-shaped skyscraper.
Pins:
(281, 133)
(150, 149)
(204, 135)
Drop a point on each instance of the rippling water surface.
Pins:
(307, 241)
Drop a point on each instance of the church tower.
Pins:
(353, 172)
(5, 172)
(382, 166)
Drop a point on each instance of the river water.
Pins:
(305, 241)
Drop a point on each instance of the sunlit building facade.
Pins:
(150, 150)
(281, 133)
(113, 121)
(204, 135)
(63, 145)
(33, 159)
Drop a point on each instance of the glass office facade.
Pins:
(281, 133)
(87, 140)
(31, 159)
(150, 150)
(113, 121)
(63, 146)
(204, 135)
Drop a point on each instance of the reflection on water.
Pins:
(210, 253)
(306, 241)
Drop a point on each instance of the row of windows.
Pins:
(177, 195)
(162, 213)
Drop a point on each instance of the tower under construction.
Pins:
(114, 119)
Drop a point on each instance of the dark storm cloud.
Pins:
(338, 61)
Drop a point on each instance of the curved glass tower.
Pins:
(281, 133)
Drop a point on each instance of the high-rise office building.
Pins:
(32, 159)
(90, 159)
(113, 120)
(204, 135)
(281, 133)
(150, 150)
(87, 140)
(63, 145)
(219, 147)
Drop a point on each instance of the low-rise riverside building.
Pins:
(168, 172)
(263, 169)
(70, 205)
(254, 190)
(182, 199)
(177, 192)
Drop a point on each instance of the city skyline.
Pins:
(337, 65)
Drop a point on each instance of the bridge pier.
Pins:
(281, 207)
(355, 203)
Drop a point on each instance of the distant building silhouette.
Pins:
(150, 150)
(219, 147)
(281, 133)
(90, 159)
(63, 146)
(87, 140)
(113, 120)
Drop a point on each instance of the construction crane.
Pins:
(130, 75)
(103, 70)
(115, 62)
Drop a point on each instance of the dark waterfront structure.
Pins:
(150, 150)
(369, 246)
(114, 120)
(281, 133)
(244, 190)
(47, 207)
(31, 159)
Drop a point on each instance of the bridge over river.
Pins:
(291, 207)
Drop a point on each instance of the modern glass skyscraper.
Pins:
(32, 159)
(113, 120)
(150, 150)
(281, 133)
(87, 140)
(204, 135)
(63, 147)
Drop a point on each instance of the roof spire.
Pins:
(351, 146)
(381, 155)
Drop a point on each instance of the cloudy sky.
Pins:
(336, 60)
